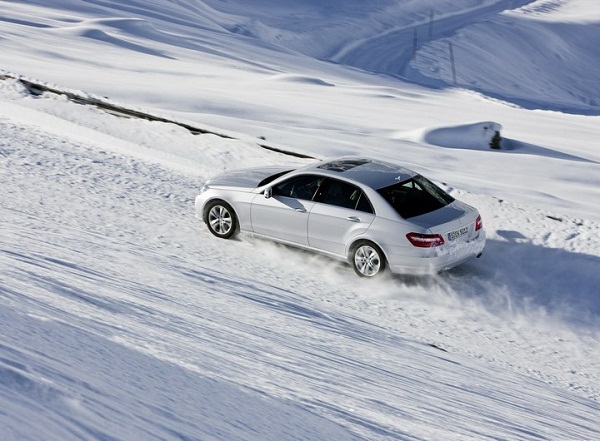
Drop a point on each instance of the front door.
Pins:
(284, 215)
(281, 218)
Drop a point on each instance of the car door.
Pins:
(341, 211)
(284, 215)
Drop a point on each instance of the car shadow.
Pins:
(515, 276)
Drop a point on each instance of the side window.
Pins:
(299, 187)
(343, 194)
(364, 204)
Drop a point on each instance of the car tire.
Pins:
(367, 259)
(221, 219)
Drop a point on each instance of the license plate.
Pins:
(453, 235)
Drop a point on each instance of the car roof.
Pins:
(371, 172)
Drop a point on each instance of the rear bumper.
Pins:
(434, 260)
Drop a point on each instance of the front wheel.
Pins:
(221, 219)
(367, 259)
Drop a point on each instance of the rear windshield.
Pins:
(415, 196)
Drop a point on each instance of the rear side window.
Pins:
(415, 196)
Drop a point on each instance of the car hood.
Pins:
(245, 178)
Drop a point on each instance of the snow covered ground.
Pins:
(123, 319)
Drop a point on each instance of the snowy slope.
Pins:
(553, 43)
(209, 75)
(124, 319)
(118, 302)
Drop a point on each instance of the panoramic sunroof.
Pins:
(343, 164)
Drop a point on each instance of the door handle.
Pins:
(300, 210)
(353, 218)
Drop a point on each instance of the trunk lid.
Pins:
(455, 222)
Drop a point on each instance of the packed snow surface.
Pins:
(123, 319)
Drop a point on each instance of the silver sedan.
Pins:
(374, 214)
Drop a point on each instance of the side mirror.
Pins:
(268, 192)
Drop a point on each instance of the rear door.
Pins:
(341, 211)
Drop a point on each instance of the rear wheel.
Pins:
(367, 259)
(221, 219)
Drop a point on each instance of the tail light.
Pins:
(425, 240)
(478, 223)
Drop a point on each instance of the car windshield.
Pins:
(415, 196)
(272, 178)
